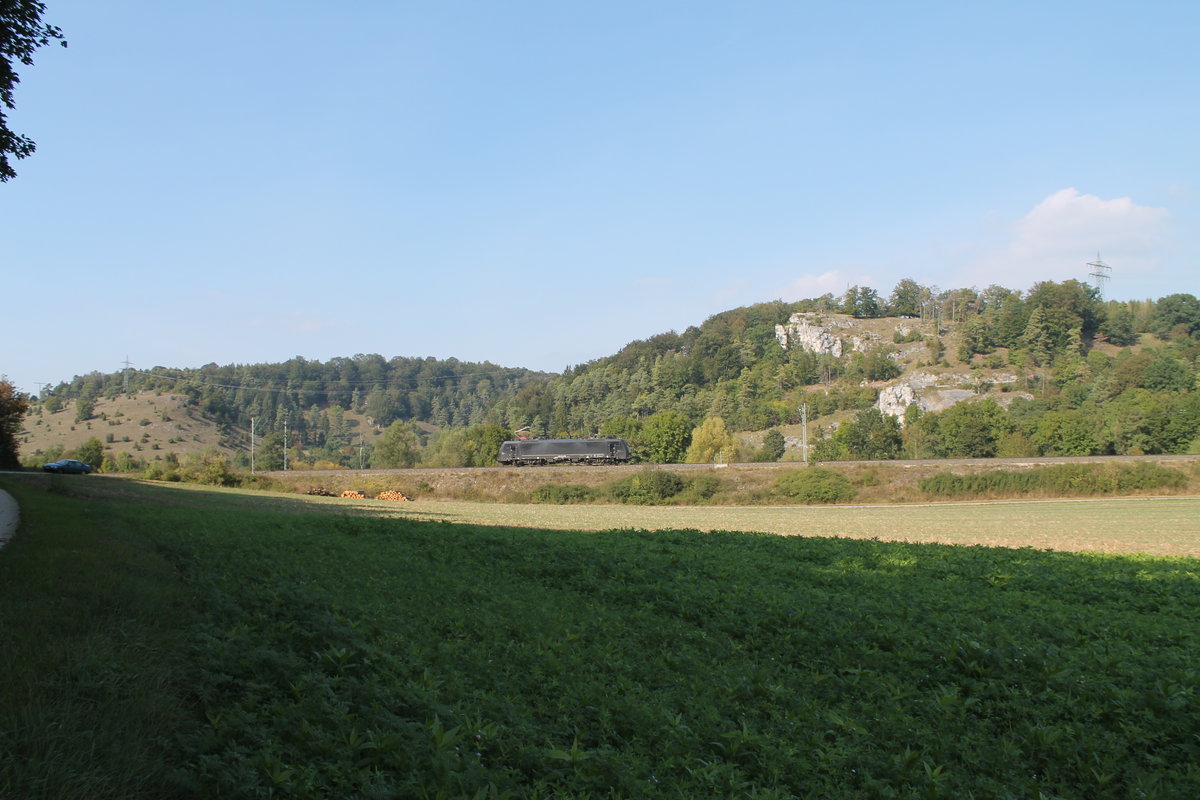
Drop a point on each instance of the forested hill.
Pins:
(445, 393)
(920, 372)
(734, 367)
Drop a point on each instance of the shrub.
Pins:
(648, 487)
(161, 471)
(1149, 476)
(869, 477)
(1059, 480)
(562, 494)
(815, 485)
(210, 468)
(123, 462)
(699, 489)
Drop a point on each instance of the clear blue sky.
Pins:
(537, 183)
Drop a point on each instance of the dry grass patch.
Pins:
(1158, 526)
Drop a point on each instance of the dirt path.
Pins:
(10, 515)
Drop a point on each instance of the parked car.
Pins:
(68, 465)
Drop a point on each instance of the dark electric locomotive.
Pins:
(563, 451)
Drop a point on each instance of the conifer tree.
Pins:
(1036, 338)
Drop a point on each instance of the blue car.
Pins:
(68, 465)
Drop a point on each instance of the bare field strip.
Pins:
(1156, 526)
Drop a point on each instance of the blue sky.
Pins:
(537, 183)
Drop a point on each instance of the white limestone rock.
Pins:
(803, 331)
(895, 400)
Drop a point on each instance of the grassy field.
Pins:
(179, 642)
(1159, 526)
(1166, 526)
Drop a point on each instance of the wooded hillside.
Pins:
(1050, 371)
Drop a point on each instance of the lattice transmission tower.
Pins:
(1101, 272)
(125, 374)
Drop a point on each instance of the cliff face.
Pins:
(938, 391)
(826, 334)
(923, 384)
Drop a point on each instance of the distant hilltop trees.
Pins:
(1051, 370)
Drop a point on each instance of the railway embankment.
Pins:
(881, 482)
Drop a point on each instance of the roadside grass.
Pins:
(165, 642)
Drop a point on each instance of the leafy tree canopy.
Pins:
(398, 448)
(13, 405)
(666, 436)
(973, 430)
(872, 435)
(21, 33)
(1067, 305)
(862, 301)
(1180, 311)
(91, 452)
(711, 443)
(906, 299)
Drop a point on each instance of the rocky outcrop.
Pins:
(823, 334)
(895, 400)
(838, 335)
(803, 331)
(930, 392)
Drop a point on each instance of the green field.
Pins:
(164, 642)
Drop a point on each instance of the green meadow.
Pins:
(168, 642)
